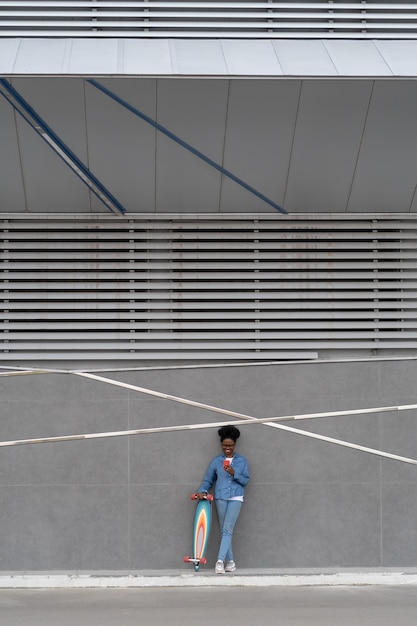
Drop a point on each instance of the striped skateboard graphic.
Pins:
(201, 531)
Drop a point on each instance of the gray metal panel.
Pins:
(413, 207)
(357, 58)
(258, 144)
(250, 58)
(121, 147)
(401, 56)
(304, 58)
(147, 57)
(390, 139)
(196, 111)
(12, 192)
(50, 185)
(330, 124)
(50, 54)
(8, 52)
(198, 58)
(246, 125)
(92, 59)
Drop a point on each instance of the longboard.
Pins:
(201, 531)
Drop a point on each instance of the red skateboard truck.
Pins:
(208, 497)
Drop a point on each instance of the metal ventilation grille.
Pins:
(106, 18)
(188, 288)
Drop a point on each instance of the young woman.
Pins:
(230, 472)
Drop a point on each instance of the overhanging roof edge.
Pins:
(208, 58)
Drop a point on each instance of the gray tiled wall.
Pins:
(122, 503)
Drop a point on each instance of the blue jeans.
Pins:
(228, 512)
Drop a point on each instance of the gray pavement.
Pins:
(233, 606)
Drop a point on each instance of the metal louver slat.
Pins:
(183, 288)
(102, 18)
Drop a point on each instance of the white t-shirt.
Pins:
(238, 498)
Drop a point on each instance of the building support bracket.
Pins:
(59, 147)
(185, 145)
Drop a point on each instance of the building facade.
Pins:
(208, 213)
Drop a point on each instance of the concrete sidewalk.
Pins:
(206, 578)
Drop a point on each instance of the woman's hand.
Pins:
(229, 469)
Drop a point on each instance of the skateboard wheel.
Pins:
(186, 559)
(203, 561)
(210, 498)
(193, 496)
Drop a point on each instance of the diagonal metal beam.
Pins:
(59, 147)
(185, 145)
(243, 420)
(249, 419)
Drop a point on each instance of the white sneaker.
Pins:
(219, 569)
(230, 566)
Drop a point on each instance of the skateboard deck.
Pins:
(201, 531)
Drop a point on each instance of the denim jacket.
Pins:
(227, 486)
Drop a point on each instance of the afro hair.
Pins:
(229, 432)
